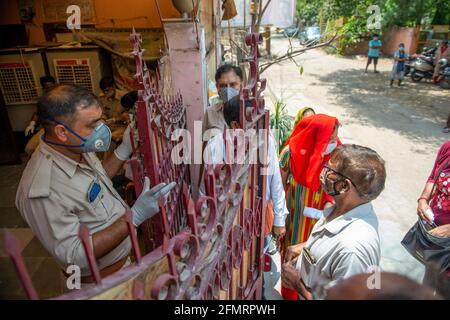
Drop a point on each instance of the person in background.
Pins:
(275, 194)
(229, 81)
(47, 82)
(114, 115)
(124, 177)
(301, 161)
(442, 52)
(391, 287)
(110, 99)
(398, 70)
(374, 52)
(430, 33)
(433, 205)
(345, 241)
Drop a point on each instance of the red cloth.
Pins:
(440, 201)
(307, 145)
(289, 294)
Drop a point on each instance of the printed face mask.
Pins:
(327, 185)
(98, 141)
(228, 93)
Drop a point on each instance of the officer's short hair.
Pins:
(225, 68)
(61, 103)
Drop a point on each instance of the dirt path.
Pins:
(404, 125)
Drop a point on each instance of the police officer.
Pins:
(65, 184)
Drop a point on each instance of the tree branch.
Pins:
(292, 54)
(261, 14)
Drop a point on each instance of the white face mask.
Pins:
(330, 147)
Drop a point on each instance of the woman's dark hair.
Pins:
(363, 166)
(225, 68)
(232, 110)
(106, 82)
(43, 80)
(129, 99)
(61, 102)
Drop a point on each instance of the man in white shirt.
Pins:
(215, 153)
(345, 242)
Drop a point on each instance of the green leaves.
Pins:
(281, 124)
(301, 70)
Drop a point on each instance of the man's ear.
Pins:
(60, 132)
(346, 185)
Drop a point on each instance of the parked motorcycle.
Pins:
(427, 52)
(444, 74)
(422, 68)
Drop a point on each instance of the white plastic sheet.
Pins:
(280, 13)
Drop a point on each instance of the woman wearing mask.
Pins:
(398, 70)
(301, 161)
(434, 202)
(303, 113)
(443, 52)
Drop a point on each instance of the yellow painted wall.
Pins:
(108, 14)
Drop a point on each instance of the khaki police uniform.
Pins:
(53, 198)
(213, 118)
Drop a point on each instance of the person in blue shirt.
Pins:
(374, 52)
(398, 70)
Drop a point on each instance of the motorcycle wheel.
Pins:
(415, 77)
(445, 84)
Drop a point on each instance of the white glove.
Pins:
(30, 129)
(123, 152)
(146, 205)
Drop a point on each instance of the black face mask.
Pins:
(330, 187)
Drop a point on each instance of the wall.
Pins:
(10, 15)
(108, 14)
(137, 13)
(390, 39)
(397, 35)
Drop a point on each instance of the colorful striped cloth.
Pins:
(298, 227)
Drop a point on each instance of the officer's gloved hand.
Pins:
(30, 129)
(123, 152)
(146, 205)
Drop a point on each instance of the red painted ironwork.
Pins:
(208, 248)
(12, 248)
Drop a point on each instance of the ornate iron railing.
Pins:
(211, 248)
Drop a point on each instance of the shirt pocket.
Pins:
(96, 211)
(307, 270)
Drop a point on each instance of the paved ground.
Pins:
(404, 125)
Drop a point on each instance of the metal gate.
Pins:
(211, 248)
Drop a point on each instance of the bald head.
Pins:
(392, 287)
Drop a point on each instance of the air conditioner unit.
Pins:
(83, 66)
(20, 71)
